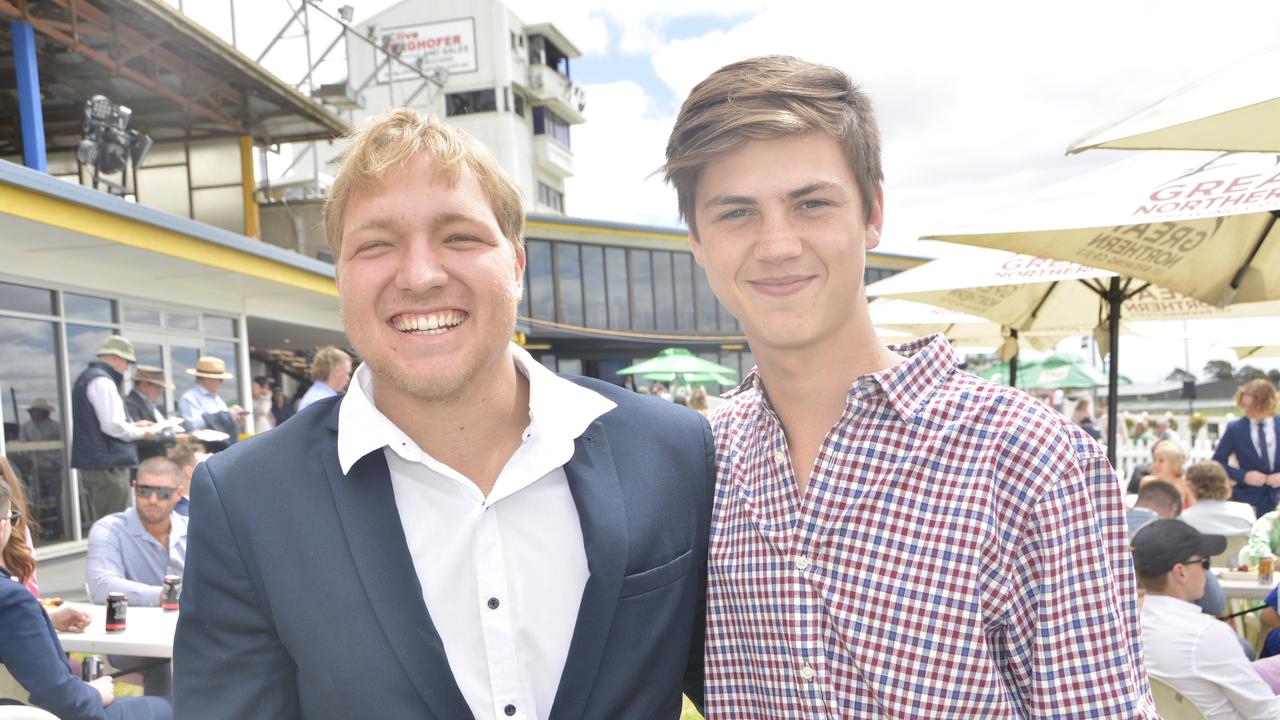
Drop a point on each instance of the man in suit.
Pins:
(1252, 440)
(463, 533)
(140, 404)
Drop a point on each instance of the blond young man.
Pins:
(892, 537)
(463, 533)
(330, 373)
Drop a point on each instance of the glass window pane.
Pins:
(149, 354)
(541, 289)
(524, 294)
(181, 359)
(219, 326)
(664, 304)
(595, 308)
(85, 307)
(82, 345)
(706, 302)
(230, 390)
(569, 272)
(141, 316)
(641, 289)
(181, 321)
(548, 362)
(570, 366)
(34, 439)
(683, 265)
(728, 323)
(26, 299)
(615, 266)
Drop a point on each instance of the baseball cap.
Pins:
(1161, 544)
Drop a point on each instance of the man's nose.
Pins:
(423, 267)
(778, 240)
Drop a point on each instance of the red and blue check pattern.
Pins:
(960, 552)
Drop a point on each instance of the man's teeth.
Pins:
(430, 324)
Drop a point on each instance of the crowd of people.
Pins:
(858, 530)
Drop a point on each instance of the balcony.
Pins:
(557, 92)
(552, 157)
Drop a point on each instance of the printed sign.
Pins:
(450, 45)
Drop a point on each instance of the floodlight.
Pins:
(108, 145)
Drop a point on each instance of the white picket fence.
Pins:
(1130, 454)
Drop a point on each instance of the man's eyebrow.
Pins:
(728, 200)
(451, 218)
(373, 224)
(811, 188)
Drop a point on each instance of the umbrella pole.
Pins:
(1115, 299)
(1013, 361)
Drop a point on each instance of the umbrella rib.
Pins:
(1262, 237)
(1043, 299)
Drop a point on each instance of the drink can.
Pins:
(91, 668)
(169, 593)
(1265, 568)
(117, 608)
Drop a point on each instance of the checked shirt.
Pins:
(960, 552)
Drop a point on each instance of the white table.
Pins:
(1243, 589)
(149, 633)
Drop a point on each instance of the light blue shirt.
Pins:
(196, 402)
(318, 391)
(124, 557)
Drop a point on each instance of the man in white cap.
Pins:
(201, 406)
(103, 439)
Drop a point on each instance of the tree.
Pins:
(1247, 373)
(1179, 375)
(1219, 370)
(1274, 376)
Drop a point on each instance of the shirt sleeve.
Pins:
(109, 407)
(191, 412)
(31, 653)
(1259, 545)
(104, 570)
(1219, 659)
(1071, 642)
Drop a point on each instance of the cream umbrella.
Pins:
(916, 319)
(1235, 109)
(1043, 296)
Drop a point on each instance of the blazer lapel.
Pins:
(367, 509)
(593, 482)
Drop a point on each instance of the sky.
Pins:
(976, 101)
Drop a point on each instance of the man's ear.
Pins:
(875, 220)
(695, 245)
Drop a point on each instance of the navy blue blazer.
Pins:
(30, 651)
(1238, 440)
(300, 598)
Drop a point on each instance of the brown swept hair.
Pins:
(765, 98)
(1262, 392)
(16, 554)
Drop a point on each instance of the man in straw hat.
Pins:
(463, 533)
(103, 440)
(149, 385)
(202, 407)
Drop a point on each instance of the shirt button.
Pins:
(779, 457)
(802, 563)
(493, 603)
(807, 672)
(510, 709)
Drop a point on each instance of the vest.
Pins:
(90, 447)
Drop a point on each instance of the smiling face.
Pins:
(783, 236)
(428, 283)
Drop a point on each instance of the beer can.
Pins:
(117, 608)
(1265, 569)
(91, 668)
(169, 593)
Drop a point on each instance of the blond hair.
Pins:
(1173, 452)
(765, 98)
(1263, 394)
(325, 360)
(388, 142)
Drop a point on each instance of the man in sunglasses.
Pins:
(1193, 652)
(132, 551)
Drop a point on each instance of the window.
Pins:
(546, 122)
(551, 197)
(871, 274)
(593, 289)
(615, 268)
(219, 326)
(473, 101)
(706, 302)
(180, 321)
(683, 264)
(26, 299)
(542, 299)
(141, 315)
(519, 103)
(641, 290)
(85, 307)
(663, 299)
(569, 274)
(226, 351)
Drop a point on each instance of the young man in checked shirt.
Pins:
(891, 537)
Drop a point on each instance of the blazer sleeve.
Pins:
(695, 670)
(1227, 446)
(229, 658)
(31, 653)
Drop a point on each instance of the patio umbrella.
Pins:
(1235, 109)
(917, 319)
(1040, 295)
(692, 378)
(679, 362)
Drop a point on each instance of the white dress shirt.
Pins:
(502, 576)
(319, 390)
(108, 406)
(197, 401)
(1269, 432)
(1202, 659)
(1219, 517)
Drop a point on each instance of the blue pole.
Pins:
(30, 111)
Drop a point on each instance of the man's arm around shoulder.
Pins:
(694, 673)
(230, 661)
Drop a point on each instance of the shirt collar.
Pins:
(559, 411)
(907, 386)
(177, 525)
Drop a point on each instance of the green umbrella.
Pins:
(678, 361)
(692, 378)
(1058, 371)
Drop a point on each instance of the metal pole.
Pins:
(30, 111)
(1013, 361)
(1115, 298)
